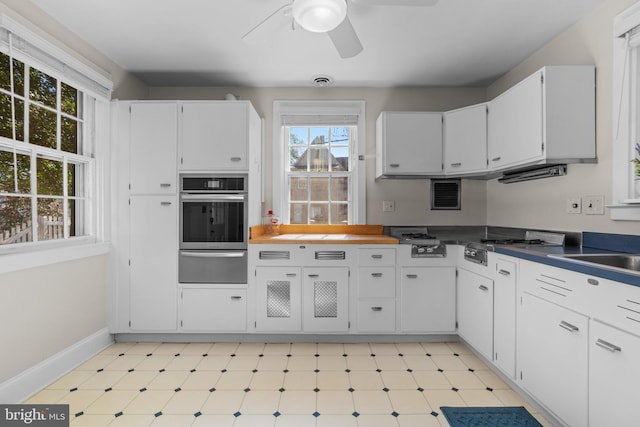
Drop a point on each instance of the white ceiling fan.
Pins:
(324, 16)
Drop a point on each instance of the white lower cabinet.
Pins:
(278, 299)
(475, 311)
(377, 315)
(428, 299)
(504, 316)
(614, 375)
(153, 263)
(325, 299)
(214, 310)
(553, 356)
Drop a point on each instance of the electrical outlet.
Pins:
(574, 205)
(388, 206)
(594, 205)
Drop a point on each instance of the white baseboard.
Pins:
(29, 382)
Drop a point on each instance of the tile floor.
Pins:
(277, 385)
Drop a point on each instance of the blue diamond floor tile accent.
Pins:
(237, 414)
(197, 414)
(356, 414)
(119, 414)
(79, 414)
(395, 414)
(434, 413)
(508, 416)
(316, 414)
(158, 414)
(276, 414)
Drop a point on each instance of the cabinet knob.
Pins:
(483, 288)
(496, 159)
(236, 159)
(568, 326)
(314, 275)
(593, 282)
(165, 185)
(504, 272)
(165, 203)
(236, 297)
(291, 274)
(394, 165)
(376, 308)
(376, 274)
(412, 276)
(456, 165)
(376, 256)
(607, 345)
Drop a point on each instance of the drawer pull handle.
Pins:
(496, 159)
(376, 308)
(376, 256)
(291, 274)
(568, 326)
(504, 272)
(165, 203)
(236, 297)
(412, 276)
(394, 165)
(236, 159)
(165, 185)
(376, 274)
(593, 282)
(456, 165)
(483, 288)
(314, 275)
(608, 346)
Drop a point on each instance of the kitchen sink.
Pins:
(621, 261)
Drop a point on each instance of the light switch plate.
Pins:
(594, 205)
(388, 206)
(574, 205)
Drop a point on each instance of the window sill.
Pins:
(12, 260)
(627, 210)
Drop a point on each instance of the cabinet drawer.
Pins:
(376, 282)
(557, 285)
(213, 310)
(617, 304)
(375, 256)
(377, 315)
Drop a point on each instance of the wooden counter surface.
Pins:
(320, 234)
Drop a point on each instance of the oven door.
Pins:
(213, 221)
(222, 267)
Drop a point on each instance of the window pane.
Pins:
(319, 159)
(298, 159)
(298, 213)
(76, 214)
(339, 158)
(6, 117)
(340, 189)
(18, 75)
(340, 136)
(319, 136)
(339, 213)
(15, 220)
(320, 189)
(69, 135)
(69, 97)
(50, 219)
(42, 88)
(299, 136)
(42, 127)
(49, 177)
(319, 213)
(299, 190)
(7, 171)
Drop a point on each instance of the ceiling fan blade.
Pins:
(345, 39)
(272, 23)
(418, 3)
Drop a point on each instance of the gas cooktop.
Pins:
(413, 235)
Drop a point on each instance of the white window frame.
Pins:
(23, 44)
(280, 154)
(626, 113)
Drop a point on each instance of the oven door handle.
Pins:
(204, 254)
(213, 197)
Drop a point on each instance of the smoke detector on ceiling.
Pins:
(322, 80)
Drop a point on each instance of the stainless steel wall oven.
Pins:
(213, 229)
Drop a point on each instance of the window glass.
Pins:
(42, 88)
(15, 220)
(69, 135)
(10, 176)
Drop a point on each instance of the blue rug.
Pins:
(509, 416)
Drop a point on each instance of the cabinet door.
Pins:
(214, 136)
(515, 124)
(614, 375)
(214, 310)
(377, 315)
(504, 317)
(411, 142)
(326, 299)
(552, 357)
(153, 149)
(153, 270)
(428, 299)
(278, 299)
(465, 140)
(475, 311)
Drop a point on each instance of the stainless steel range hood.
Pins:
(529, 174)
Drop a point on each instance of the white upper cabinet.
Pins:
(408, 144)
(465, 141)
(153, 147)
(547, 118)
(216, 135)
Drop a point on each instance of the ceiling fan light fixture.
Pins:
(319, 16)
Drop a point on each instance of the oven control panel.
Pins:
(428, 251)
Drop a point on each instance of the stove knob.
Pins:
(420, 250)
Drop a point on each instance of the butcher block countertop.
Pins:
(320, 234)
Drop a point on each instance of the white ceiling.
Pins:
(198, 42)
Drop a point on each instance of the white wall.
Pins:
(412, 197)
(541, 204)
